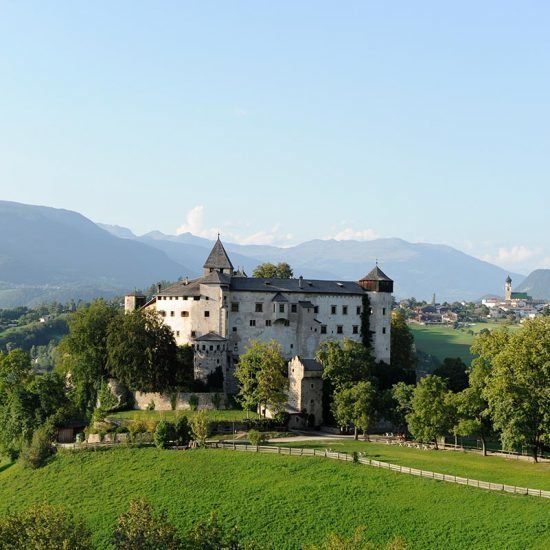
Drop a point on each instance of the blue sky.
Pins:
(285, 121)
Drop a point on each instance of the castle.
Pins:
(220, 312)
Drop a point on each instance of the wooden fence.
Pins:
(347, 457)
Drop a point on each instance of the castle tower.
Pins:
(508, 289)
(379, 288)
(134, 301)
(218, 260)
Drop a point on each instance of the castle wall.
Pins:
(163, 401)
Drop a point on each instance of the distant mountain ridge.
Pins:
(48, 253)
(536, 284)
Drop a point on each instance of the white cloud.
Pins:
(513, 255)
(351, 234)
(194, 223)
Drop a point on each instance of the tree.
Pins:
(140, 528)
(403, 357)
(83, 352)
(518, 385)
(44, 527)
(271, 271)
(344, 362)
(199, 428)
(142, 352)
(454, 371)
(355, 405)
(429, 418)
(164, 434)
(27, 400)
(261, 376)
(366, 332)
(402, 395)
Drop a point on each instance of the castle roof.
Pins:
(376, 274)
(508, 279)
(218, 258)
(311, 365)
(211, 337)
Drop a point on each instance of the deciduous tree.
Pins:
(273, 271)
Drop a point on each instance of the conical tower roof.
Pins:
(376, 275)
(218, 258)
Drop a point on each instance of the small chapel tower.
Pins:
(508, 289)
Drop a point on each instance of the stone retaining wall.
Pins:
(176, 401)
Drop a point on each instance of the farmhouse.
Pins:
(220, 312)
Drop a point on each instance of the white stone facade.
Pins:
(297, 313)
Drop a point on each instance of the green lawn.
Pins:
(279, 501)
(232, 415)
(445, 341)
(462, 464)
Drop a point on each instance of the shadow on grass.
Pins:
(4, 467)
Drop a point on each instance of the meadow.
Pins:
(279, 501)
(444, 341)
(495, 469)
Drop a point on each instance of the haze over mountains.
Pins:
(48, 254)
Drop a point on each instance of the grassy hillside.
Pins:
(445, 341)
(229, 415)
(471, 465)
(279, 501)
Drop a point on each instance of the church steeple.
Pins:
(218, 260)
(508, 289)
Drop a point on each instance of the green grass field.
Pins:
(232, 415)
(280, 502)
(470, 465)
(444, 341)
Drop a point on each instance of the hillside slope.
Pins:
(536, 284)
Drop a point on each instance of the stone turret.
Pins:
(508, 289)
(218, 260)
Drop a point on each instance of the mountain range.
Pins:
(52, 254)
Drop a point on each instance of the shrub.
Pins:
(216, 400)
(200, 428)
(151, 405)
(173, 400)
(41, 527)
(136, 427)
(36, 453)
(139, 528)
(194, 402)
(182, 430)
(257, 438)
(164, 434)
(210, 535)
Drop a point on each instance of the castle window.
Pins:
(171, 297)
(268, 322)
(185, 297)
(291, 346)
(234, 329)
(207, 313)
(316, 309)
(185, 314)
(218, 361)
(281, 308)
(333, 310)
(358, 310)
(203, 347)
(196, 298)
(193, 333)
(259, 308)
(172, 314)
(355, 329)
(323, 329)
(293, 308)
(287, 323)
(252, 322)
(383, 311)
(211, 348)
(344, 310)
(383, 330)
(177, 332)
(234, 307)
(218, 347)
(312, 386)
(339, 329)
